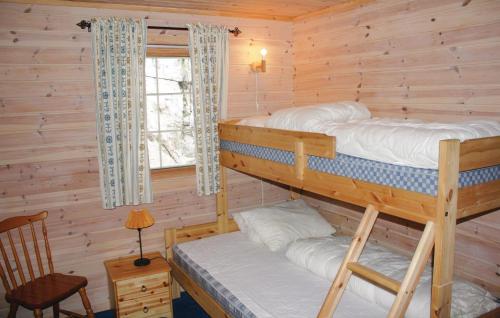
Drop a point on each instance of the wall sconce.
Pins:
(260, 66)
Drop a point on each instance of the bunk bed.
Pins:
(301, 160)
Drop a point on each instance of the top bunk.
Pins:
(351, 161)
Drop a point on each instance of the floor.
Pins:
(184, 307)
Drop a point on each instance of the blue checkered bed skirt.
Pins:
(401, 177)
(232, 305)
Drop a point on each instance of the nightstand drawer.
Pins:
(143, 286)
(157, 305)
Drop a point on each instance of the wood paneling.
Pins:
(435, 60)
(48, 149)
(412, 59)
(274, 10)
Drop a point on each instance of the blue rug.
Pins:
(184, 307)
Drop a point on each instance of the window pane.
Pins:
(150, 67)
(175, 112)
(166, 85)
(177, 149)
(154, 151)
(150, 85)
(173, 74)
(170, 118)
(176, 68)
(152, 116)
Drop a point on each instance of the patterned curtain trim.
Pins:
(119, 53)
(209, 51)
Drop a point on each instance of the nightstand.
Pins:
(141, 291)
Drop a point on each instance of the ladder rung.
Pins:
(374, 277)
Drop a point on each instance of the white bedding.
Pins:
(412, 143)
(266, 282)
(306, 118)
(278, 225)
(323, 257)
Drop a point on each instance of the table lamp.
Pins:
(140, 219)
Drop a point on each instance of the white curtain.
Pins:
(119, 52)
(209, 52)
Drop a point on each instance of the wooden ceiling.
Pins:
(266, 9)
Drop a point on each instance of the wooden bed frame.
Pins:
(450, 205)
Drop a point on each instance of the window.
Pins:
(169, 112)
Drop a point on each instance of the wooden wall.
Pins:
(417, 59)
(425, 59)
(48, 137)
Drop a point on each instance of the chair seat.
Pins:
(45, 291)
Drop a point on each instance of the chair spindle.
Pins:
(37, 251)
(47, 247)
(26, 254)
(7, 265)
(5, 282)
(16, 258)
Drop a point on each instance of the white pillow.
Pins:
(243, 226)
(278, 225)
(255, 121)
(307, 118)
(323, 257)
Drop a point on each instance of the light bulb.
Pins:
(263, 52)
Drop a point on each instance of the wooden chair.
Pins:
(36, 292)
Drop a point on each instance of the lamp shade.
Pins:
(139, 219)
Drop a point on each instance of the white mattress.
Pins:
(266, 282)
(412, 143)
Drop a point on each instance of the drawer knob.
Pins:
(145, 309)
(143, 288)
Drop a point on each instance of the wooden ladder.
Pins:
(403, 290)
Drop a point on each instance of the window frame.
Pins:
(179, 171)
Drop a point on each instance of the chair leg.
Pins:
(86, 303)
(38, 313)
(55, 309)
(13, 310)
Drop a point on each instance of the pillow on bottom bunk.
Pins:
(278, 225)
(244, 228)
(323, 257)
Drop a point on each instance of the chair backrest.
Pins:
(8, 229)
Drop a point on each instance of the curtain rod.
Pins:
(87, 24)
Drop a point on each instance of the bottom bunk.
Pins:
(247, 280)
(231, 275)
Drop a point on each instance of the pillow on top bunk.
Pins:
(255, 121)
(278, 225)
(306, 118)
(323, 257)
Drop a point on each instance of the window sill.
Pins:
(171, 173)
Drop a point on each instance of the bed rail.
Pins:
(190, 233)
(479, 153)
(313, 144)
(476, 154)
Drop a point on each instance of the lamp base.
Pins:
(142, 262)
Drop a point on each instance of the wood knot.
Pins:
(450, 195)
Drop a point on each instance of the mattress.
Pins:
(402, 177)
(250, 281)
(412, 143)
